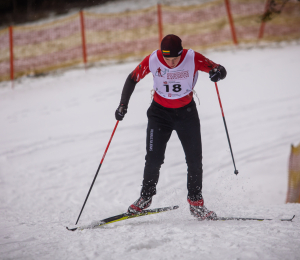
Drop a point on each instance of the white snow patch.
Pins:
(53, 134)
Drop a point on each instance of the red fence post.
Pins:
(231, 22)
(11, 48)
(83, 38)
(160, 26)
(262, 25)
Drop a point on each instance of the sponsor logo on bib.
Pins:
(160, 73)
(178, 75)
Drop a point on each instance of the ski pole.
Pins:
(97, 171)
(235, 170)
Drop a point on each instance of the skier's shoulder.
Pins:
(155, 55)
(144, 63)
(202, 63)
(199, 56)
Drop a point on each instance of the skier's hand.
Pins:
(120, 112)
(217, 73)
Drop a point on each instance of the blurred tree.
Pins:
(274, 7)
(20, 11)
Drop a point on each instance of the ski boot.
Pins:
(199, 211)
(139, 205)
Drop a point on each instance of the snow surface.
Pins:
(130, 5)
(54, 131)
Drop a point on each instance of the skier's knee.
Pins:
(154, 163)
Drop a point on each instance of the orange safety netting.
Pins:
(4, 55)
(293, 195)
(41, 48)
(122, 35)
(200, 26)
(206, 25)
(90, 37)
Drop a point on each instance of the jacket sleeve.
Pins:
(204, 64)
(127, 91)
(133, 78)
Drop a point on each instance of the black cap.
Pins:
(171, 46)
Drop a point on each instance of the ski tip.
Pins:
(288, 219)
(71, 229)
(175, 207)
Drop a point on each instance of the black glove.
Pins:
(120, 112)
(217, 73)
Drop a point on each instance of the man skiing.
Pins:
(175, 73)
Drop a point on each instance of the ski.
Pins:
(123, 216)
(258, 219)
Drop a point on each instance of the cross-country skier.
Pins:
(175, 73)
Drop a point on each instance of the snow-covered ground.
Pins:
(54, 131)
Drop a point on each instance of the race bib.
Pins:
(173, 83)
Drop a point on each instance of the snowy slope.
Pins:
(53, 134)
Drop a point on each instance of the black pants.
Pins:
(161, 122)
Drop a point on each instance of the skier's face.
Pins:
(172, 62)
